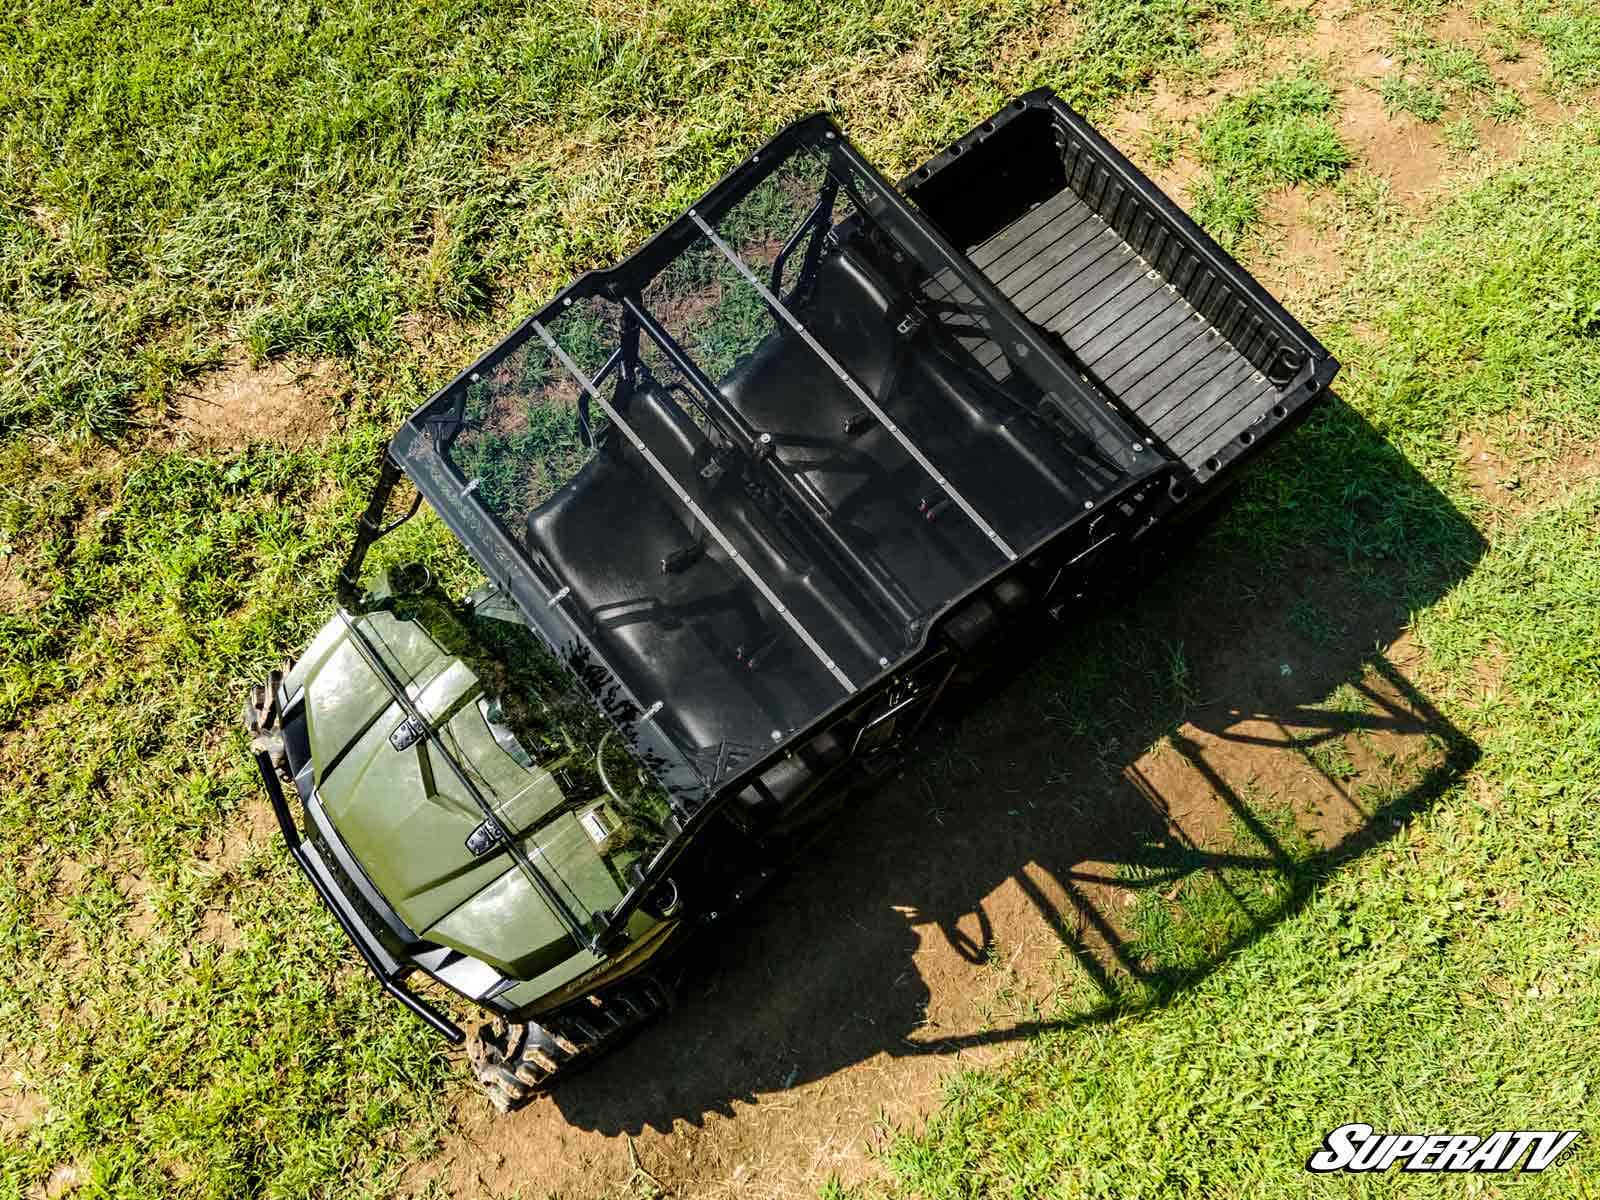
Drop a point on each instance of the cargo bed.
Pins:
(1146, 306)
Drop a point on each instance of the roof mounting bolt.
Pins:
(883, 662)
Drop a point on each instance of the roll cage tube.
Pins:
(815, 226)
(371, 527)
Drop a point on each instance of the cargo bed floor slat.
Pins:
(1070, 273)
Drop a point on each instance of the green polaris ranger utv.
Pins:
(717, 529)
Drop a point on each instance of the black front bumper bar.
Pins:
(390, 971)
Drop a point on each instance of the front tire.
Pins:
(516, 1062)
(502, 1063)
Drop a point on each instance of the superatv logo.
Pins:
(1358, 1148)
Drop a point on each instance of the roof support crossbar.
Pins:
(699, 514)
(860, 393)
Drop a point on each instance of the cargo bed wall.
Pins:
(1172, 330)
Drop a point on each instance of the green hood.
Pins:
(406, 817)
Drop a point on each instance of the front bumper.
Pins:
(261, 720)
(391, 972)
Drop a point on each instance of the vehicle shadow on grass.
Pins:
(1143, 795)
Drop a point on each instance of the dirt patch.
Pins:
(1167, 110)
(419, 331)
(1398, 147)
(1575, 467)
(1304, 248)
(1489, 676)
(1307, 250)
(250, 827)
(1352, 48)
(51, 915)
(70, 872)
(1411, 154)
(1323, 763)
(1524, 78)
(288, 404)
(16, 594)
(218, 929)
(779, 1125)
(62, 1181)
(1489, 473)
(1513, 472)
(20, 1106)
(141, 920)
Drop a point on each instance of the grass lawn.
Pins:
(364, 195)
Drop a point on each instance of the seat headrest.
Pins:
(669, 432)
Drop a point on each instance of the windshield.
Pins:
(510, 729)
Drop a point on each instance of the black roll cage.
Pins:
(417, 452)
